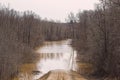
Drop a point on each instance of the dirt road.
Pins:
(62, 75)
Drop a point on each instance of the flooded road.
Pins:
(55, 55)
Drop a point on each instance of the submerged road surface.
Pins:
(57, 62)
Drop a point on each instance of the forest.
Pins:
(95, 35)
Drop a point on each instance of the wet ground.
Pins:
(57, 61)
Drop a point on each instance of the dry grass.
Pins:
(27, 68)
(85, 68)
(25, 71)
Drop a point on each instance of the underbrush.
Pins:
(12, 55)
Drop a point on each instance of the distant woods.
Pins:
(95, 34)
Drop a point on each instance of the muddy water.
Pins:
(53, 56)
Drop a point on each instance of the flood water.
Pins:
(55, 55)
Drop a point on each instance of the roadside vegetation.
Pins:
(99, 38)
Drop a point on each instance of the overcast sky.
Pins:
(52, 9)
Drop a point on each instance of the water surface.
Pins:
(55, 55)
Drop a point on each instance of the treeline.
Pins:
(20, 34)
(53, 31)
(99, 38)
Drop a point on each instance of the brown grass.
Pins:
(85, 68)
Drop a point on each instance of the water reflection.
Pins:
(54, 55)
(50, 56)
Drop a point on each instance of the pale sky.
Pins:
(51, 9)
